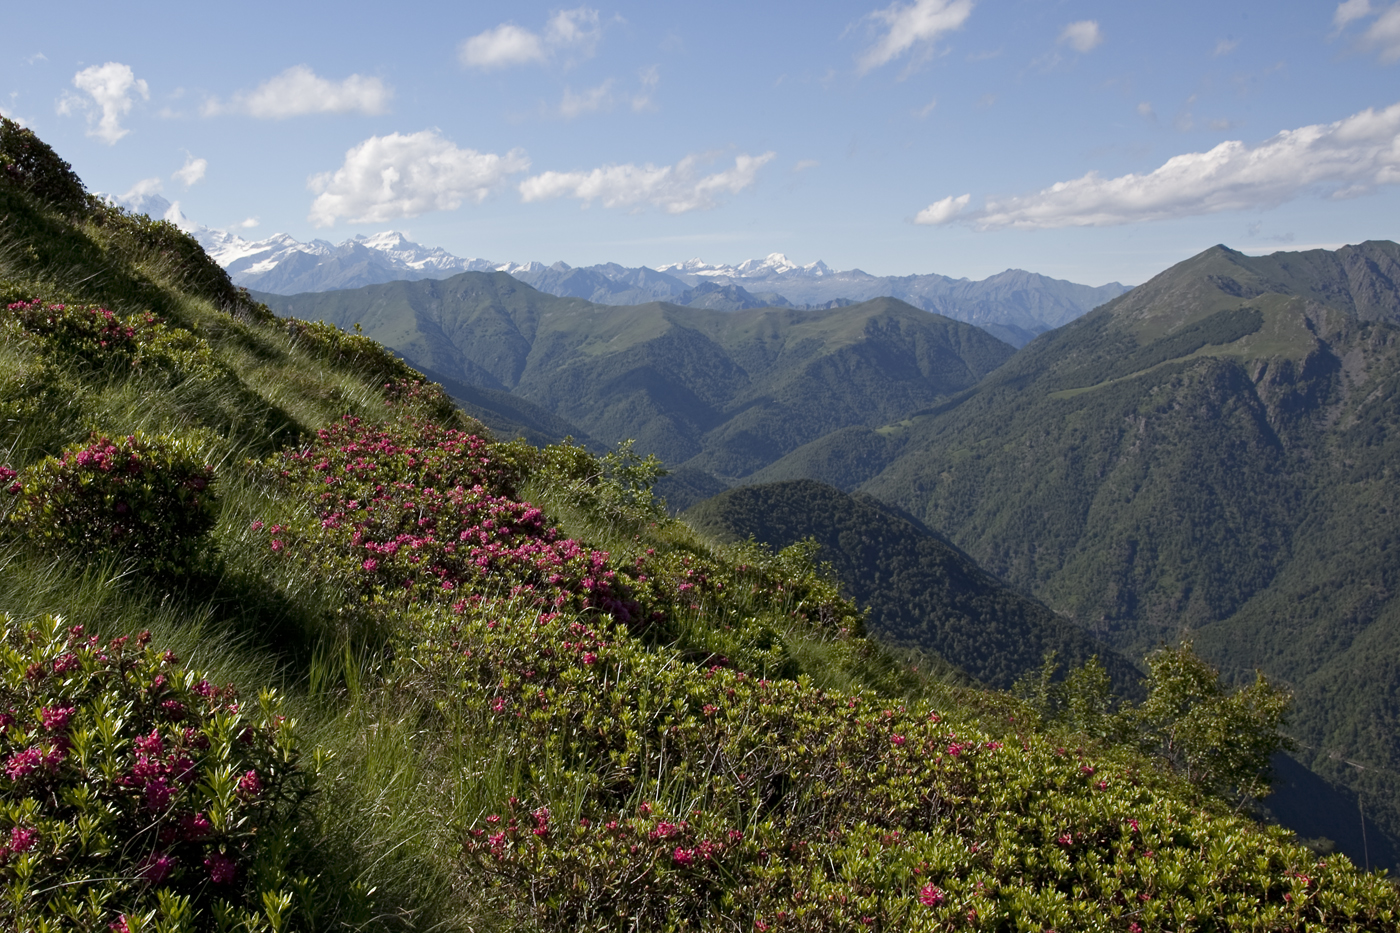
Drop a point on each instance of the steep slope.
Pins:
(722, 392)
(921, 592)
(1210, 455)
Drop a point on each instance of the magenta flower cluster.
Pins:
(428, 512)
(115, 741)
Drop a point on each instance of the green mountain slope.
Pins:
(1209, 454)
(287, 642)
(921, 592)
(722, 392)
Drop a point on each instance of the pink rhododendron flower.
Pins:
(221, 868)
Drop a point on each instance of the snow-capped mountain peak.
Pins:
(774, 264)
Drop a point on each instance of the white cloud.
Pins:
(299, 91)
(590, 101)
(1384, 34)
(248, 224)
(805, 164)
(1082, 36)
(1145, 111)
(112, 89)
(575, 31)
(1225, 47)
(940, 212)
(501, 47)
(192, 172)
(675, 189)
(926, 109)
(143, 188)
(388, 177)
(1343, 159)
(919, 23)
(1349, 11)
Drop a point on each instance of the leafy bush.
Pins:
(141, 497)
(665, 797)
(28, 163)
(135, 793)
(99, 338)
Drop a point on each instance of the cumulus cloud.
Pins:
(940, 212)
(1082, 36)
(575, 32)
(111, 91)
(404, 175)
(299, 91)
(1343, 159)
(675, 189)
(590, 101)
(192, 171)
(918, 24)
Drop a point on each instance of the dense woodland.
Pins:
(290, 642)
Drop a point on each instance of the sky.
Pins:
(1090, 141)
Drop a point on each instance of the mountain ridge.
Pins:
(1013, 305)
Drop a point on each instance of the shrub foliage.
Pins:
(137, 793)
(143, 498)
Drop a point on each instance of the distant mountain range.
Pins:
(1014, 305)
(720, 393)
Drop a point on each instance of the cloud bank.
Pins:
(1341, 160)
(111, 91)
(568, 31)
(906, 27)
(299, 91)
(674, 189)
(404, 175)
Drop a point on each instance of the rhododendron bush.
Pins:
(140, 497)
(684, 798)
(96, 337)
(133, 789)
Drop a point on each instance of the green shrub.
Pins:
(96, 337)
(135, 793)
(27, 163)
(143, 498)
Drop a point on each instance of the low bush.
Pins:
(135, 794)
(148, 499)
(98, 338)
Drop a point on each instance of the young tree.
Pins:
(1220, 741)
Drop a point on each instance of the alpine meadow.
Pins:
(325, 621)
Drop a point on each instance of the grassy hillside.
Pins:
(509, 692)
(717, 391)
(921, 592)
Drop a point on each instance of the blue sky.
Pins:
(1089, 141)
